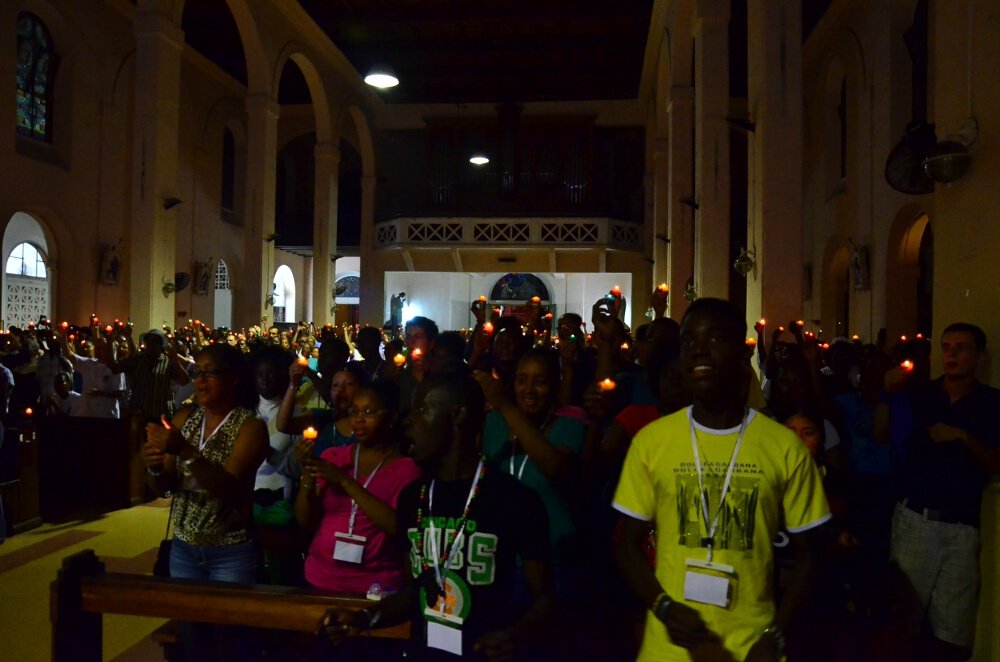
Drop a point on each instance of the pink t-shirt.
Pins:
(382, 561)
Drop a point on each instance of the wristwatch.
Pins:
(660, 608)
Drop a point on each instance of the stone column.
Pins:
(661, 211)
(711, 38)
(372, 301)
(324, 230)
(152, 246)
(680, 266)
(775, 159)
(256, 281)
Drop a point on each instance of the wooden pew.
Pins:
(83, 592)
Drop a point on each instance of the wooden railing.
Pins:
(83, 592)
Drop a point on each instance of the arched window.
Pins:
(222, 276)
(36, 67)
(25, 260)
(284, 295)
(228, 195)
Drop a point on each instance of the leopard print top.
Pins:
(199, 518)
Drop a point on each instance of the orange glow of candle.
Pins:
(28, 411)
(72, 337)
(549, 316)
(920, 336)
(750, 342)
(825, 345)
(482, 298)
(663, 287)
(781, 328)
(902, 339)
(536, 299)
(64, 325)
(616, 291)
(310, 433)
(800, 323)
(762, 321)
(399, 360)
(625, 346)
(302, 360)
(494, 374)
(907, 365)
(855, 337)
(606, 385)
(417, 353)
(488, 328)
(108, 329)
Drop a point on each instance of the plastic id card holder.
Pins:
(349, 548)
(704, 582)
(443, 631)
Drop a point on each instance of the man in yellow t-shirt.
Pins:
(719, 481)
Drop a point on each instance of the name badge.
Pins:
(707, 589)
(349, 548)
(442, 637)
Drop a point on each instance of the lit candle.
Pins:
(482, 298)
(108, 329)
(72, 337)
(165, 422)
(197, 322)
(417, 353)
(488, 328)
(303, 361)
(606, 385)
(536, 299)
(64, 325)
(800, 323)
(781, 328)
(920, 336)
(399, 360)
(28, 411)
(825, 345)
(762, 321)
(548, 316)
(907, 365)
(625, 346)
(310, 433)
(494, 374)
(902, 339)
(616, 291)
(751, 343)
(855, 337)
(663, 287)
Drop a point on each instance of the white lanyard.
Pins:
(725, 485)
(521, 470)
(458, 534)
(354, 504)
(202, 441)
(513, 449)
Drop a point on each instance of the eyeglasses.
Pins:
(208, 374)
(364, 413)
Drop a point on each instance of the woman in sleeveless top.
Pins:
(208, 457)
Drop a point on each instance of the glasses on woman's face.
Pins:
(368, 414)
(208, 374)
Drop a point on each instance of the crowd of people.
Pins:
(541, 487)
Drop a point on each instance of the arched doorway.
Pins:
(910, 274)
(514, 291)
(836, 294)
(223, 297)
(284, 295)
(27, 291)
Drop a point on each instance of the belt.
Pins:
(935, 515)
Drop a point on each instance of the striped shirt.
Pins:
(150, 384)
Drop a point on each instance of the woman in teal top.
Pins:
(333, 425)
(528, 439)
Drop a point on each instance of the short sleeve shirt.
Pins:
(774, 481)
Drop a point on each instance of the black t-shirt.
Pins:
(944, 475)
(506, 521)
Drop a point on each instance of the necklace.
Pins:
(427, 496)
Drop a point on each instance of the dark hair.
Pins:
(815, 417)
(462, 392)
(387, 392)
(451, 344)
(429, 326)
(356, 369)
(978, 336)
(549, 358)
(335, 344)
(232, 361)
(369, 331)
(271, 354)
(722, 308)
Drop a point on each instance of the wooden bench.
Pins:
(83, 592)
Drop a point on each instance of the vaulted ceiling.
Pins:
(451, 51)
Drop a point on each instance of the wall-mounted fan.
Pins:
(904, 169)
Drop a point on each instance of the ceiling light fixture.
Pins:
(382, 77)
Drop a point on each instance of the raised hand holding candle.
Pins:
(482, 299)
(310, 433)
(606, 385)
(536, 299)
(616, 292)
(488, 328)
(663, 287)
(303, 361)
(750, 342)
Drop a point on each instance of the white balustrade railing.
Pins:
(452, 231)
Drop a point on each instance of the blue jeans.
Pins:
(225, 563)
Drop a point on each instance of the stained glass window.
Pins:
(26, 260)
(36, 64)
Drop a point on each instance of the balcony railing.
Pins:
(508, 232)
